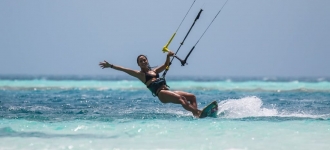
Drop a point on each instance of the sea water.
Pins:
(85, 113)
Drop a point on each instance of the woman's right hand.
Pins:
(104, 64)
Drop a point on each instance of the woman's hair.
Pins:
(137, 60)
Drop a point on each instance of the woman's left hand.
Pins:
(170, 53)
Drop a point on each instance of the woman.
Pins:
(158, 87)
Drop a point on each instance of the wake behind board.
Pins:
(210, 110)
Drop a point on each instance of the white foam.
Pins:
(252, 107)
(244, 107)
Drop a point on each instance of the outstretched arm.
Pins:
(131, 72)
(167, 63)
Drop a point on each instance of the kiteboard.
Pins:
(210, 110)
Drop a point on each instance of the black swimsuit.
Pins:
(155, 85)
(150, 76)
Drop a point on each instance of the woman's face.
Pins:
(143, 62)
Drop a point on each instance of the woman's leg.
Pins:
(190, 97)
(166, 96)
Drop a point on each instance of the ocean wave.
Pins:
(172, 78)
(182, 85)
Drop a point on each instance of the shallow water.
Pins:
(119, 113)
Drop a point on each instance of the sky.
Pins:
(282, 38)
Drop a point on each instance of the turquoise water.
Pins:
(56, 112)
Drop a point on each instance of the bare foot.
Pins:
(197, 114)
